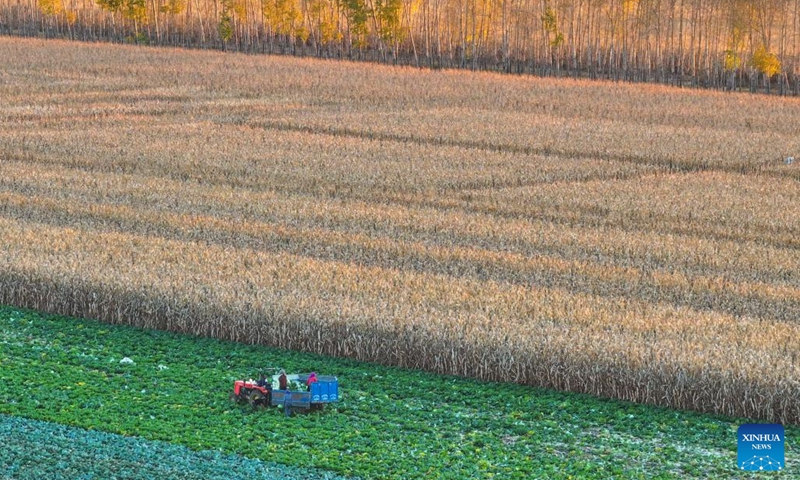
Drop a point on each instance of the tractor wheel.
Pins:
(233, 397)
(255, 398)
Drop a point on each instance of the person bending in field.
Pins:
(282, 382)
(311, 379)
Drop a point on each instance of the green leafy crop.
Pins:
(37, 449)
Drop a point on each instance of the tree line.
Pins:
(724, 44)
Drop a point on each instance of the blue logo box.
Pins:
(761, 447)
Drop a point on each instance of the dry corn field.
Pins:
(628, 241)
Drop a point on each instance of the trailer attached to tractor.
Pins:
(294, 399)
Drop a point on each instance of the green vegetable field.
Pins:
(36, 449)
(64, 392)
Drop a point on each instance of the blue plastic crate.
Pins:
(325, 391)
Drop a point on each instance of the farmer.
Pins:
(282, 382)
(311, 379)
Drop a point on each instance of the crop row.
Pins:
(643, 124)
(567, 191)
(298, 162)
(35, 448)
(564, 226)
(735, 278)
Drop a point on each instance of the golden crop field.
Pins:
(635, 242)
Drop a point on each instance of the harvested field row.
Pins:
(295, 162)
(674, 148)
(642, 124)
(61, 73)
(757, 299)
(723, 224)
(710, 205)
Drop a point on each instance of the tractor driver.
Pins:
(266, 385)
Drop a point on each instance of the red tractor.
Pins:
(251, 392)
